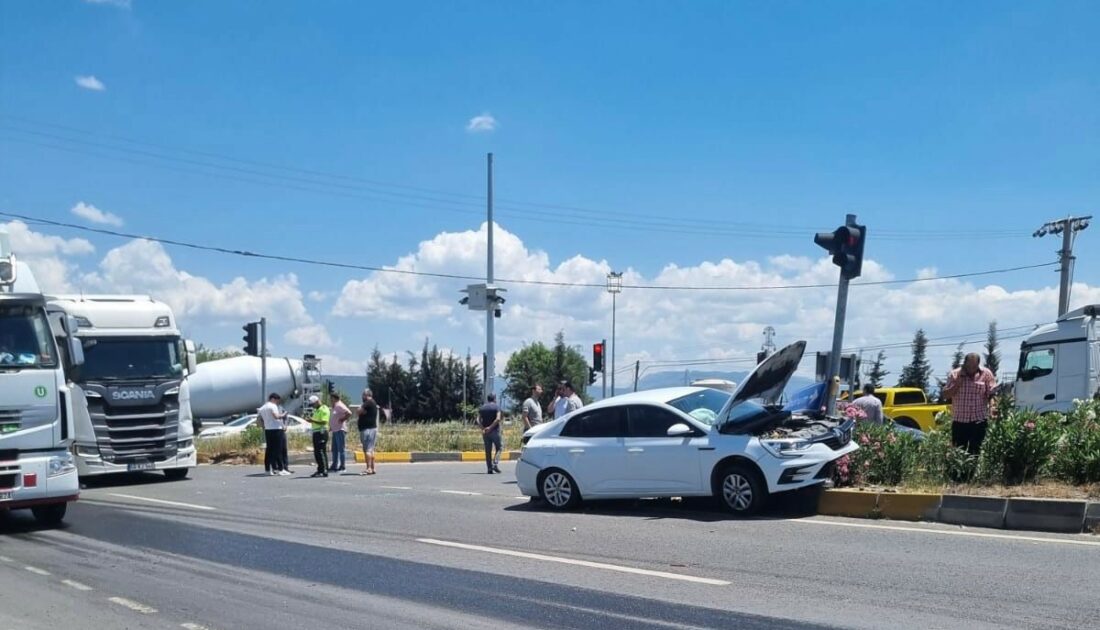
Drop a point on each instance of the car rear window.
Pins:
(909, 398)
(606, 422)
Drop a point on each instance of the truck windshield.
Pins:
(25, 338)
(107, 359)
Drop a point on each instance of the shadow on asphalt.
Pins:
(788, 505)
(119, 480)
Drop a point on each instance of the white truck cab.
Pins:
(36, 404)
(1060, 362)
(132, 410)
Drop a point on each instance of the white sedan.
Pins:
(238, 426)
(687, 441)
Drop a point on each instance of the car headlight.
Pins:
(185, 444)
(61, 464)
(786, 448)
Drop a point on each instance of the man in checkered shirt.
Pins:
(970, 388)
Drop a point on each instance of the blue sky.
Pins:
(952, 129)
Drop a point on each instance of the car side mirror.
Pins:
(680, 430)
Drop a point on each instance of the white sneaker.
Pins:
(283, 473)
(272, 473)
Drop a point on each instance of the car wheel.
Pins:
(906, 421)
(741, 490)
(176, 474)
(558, 490)
(49, 515)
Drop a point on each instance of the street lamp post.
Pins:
(614, 287)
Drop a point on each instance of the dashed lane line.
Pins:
(37, 571)
(462, 493)
(76, 585)
(580, 563)
(162, 501)
(193, 626)
(132, 605)
(6, 559)
(395, 487)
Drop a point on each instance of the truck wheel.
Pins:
(906, 421)
(176, 474)
(49, 515)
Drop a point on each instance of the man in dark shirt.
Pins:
(368, 429)
(489, 417)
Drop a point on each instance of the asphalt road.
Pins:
(446, 546)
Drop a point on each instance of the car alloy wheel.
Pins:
(741, 490)
(558, 490)
(737, 491)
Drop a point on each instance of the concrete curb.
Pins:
(1041, 515)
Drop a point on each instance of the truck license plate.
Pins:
(5, 495)
(136, 466)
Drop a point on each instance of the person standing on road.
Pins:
(368, 429)
(318, 421)
(970, 388)
(573, 402)
(869, 405)
(489, 416)
(338, 426)
(532, 411)
(274, 434)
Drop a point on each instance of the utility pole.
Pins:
(1068, 228)
(614, 287)
(490, 314)
(637, 366)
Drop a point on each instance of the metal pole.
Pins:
(263, 360)
(490, 359)
(637, 365)
(1067, 266)
(604, 375)
(614, 300)
(838, 334)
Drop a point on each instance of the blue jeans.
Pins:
(339, 439)
(491, 440)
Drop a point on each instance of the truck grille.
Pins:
(7, 480)
(130, 433)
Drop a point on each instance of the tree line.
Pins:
(431, 386)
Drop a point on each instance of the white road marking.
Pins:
(77, 585)
(462, 492)
(396, 487)
(948, 532)
(193, 626)
(37, 571)
(134, 606)
(162, 501)
(579, 563)
(6, 559)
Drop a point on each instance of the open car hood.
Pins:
(768, 380)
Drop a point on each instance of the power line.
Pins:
(448, 276)
(567, 214)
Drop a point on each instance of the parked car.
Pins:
(909, 407)
(238, 426)
(686, 441)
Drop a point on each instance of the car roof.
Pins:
(662, 395)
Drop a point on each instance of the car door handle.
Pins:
(1049, 397)
(636, 449)
(576, 450)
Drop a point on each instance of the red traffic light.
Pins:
(597, 357)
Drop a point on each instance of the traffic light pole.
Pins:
(604, 370)
(263, 360)
(838, 334)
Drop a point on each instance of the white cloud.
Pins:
(93, 214)
(89, 82)
(121, 4)
(332, 364)
(319, 296)
(311, 336)
(47, 255)
(481, 124)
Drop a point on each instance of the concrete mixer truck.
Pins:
(36, 402)
(224, 388)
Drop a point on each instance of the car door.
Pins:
(592, 451)
(659, 464)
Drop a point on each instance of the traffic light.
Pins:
(597, 357)
(846, 245)
(252, 339)
(591, 376)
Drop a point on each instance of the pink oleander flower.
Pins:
(1029, 425)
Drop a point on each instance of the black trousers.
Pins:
(969, 435)
(275, 454)
(320, 450)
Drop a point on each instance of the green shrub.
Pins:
(885, 456)
(940, 462)
(1019, 445)
(253, 437)
(1077, 457)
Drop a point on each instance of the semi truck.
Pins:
(131, 408)
(1060, 362)
(37, 471)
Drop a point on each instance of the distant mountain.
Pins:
(351, 386)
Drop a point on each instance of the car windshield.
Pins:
(240, 422)
(25, 338)
(108, 359)
(702, 405)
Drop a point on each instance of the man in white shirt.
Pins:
(273, 419)
(566, 401)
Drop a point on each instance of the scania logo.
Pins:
(133, 394)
